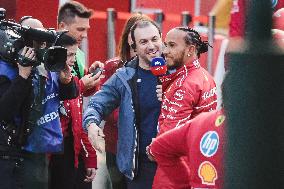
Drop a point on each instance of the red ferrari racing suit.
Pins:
(202, 140)
(188, 92)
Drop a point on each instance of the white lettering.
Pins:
(53, 115)
(49, 97)
(171, 109)
(47, 118)
(209, 94)
(157, 63)
(177, 104)
(179, 94)
(171, 117)
(40, 121)
(165, 107)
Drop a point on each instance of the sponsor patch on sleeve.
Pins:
(220, 120)
(207, 173)
(209, 143)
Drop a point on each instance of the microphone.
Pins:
(158, 66)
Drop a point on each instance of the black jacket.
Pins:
(15, 101)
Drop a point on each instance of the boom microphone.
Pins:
(158, 66)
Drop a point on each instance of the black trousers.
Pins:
(145, 176)
(24, 173)
(62, 172)
(10, 174)
(118, 180)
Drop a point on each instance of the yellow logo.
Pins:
(207, 173)
(220, 119)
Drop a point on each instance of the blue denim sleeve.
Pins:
(103, 102)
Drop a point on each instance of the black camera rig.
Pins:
(14, 37)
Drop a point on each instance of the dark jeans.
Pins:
(24, 173)
(10, 174)
(62, 172)
(118, 180)
(146, 173)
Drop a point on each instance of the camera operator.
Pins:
(30, 125)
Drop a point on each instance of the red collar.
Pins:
(183, 71)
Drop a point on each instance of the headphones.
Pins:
(133, 45)
(132, 29)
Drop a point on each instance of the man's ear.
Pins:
(191, 49)
(131, 43)
(62, 26)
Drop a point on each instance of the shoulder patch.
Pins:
(209, 143)
(220, 120)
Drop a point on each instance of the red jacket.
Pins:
(239, 19)
(202, 141)
(187, 92)
(237, 23)
(73, 116)
(110, 128)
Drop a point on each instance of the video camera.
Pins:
(14, 37)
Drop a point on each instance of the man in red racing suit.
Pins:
(187, 92)
(202, 140)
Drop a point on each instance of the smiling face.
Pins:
(148, 44)
(78, 28)
(176, 50)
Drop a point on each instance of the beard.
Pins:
(177, 62)
(176, 65)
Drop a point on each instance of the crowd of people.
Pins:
(160, 132)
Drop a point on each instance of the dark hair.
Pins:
(141, 24)
(123, 46)
(193, 38)
(66, 40)
(69, 10)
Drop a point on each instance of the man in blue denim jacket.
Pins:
(132, 89)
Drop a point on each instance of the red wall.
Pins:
(46, 11)
(10, 8)
(98, 32)
(175, 7)
(206, 6)
(168, 7)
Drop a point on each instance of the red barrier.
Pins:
(46, 11)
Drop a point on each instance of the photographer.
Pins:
(30, 126)
(77, 163)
